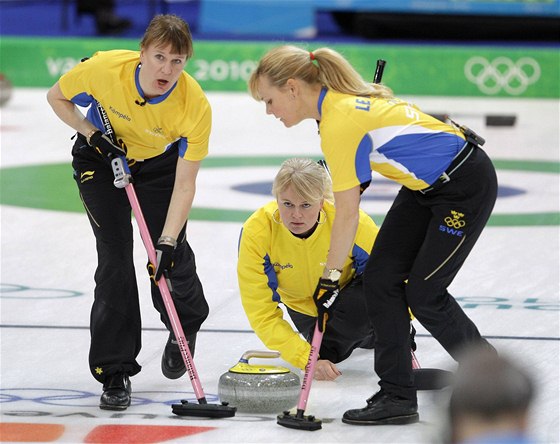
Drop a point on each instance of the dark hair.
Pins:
(165, 29)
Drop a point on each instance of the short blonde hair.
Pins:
(310, 181)
(327, 68)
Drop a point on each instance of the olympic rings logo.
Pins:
(79, 398)
(502, 74)
(455, 223)
(15, 291)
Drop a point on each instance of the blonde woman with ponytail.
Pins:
(448, 191)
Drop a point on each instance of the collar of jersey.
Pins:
(153, 100)
(321, 98)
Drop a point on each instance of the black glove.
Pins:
(164, 258)
(325, 297)
(104, 145)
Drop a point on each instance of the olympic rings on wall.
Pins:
(502, 74)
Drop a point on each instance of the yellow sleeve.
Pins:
(198, 121)
(257, 285)
(79, 79)
(100, 76)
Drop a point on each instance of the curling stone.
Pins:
(259, 388)
(6, 90)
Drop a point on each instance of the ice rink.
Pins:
(509, 285)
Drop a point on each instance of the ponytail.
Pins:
(324, 66)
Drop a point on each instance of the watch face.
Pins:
(334, 275)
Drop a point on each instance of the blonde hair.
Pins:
(323, 66)
(310, 181)
(169, 29)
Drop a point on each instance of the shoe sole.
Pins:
(113, 407)
(170, 374)
(395, 420)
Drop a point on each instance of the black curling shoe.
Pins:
(116, 392)
(384, 409)
(172, 363)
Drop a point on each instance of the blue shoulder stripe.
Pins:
(360, 258)
(183, 145)
(425, 155)
(362, 165)
(82, 99)
(272, 278)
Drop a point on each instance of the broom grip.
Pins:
(379, 71)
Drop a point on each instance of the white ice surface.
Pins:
(509, 285)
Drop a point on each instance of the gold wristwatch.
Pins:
(334, 274)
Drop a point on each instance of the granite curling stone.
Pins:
(259, 388)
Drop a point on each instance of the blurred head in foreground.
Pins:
(490, 400)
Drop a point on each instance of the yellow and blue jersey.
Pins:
(389, 136)
(276, 266)
(148, 127)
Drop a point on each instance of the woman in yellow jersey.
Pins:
(449, 188)
(282, 252)
(162, 120)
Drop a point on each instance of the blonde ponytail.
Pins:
(323, 66)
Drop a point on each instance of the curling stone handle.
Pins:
(259, 354)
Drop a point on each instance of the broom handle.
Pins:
(415, 363)
(166, 294)
(310, 369)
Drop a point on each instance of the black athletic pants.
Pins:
(348, 329)
(115, 324)
(425, 239)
